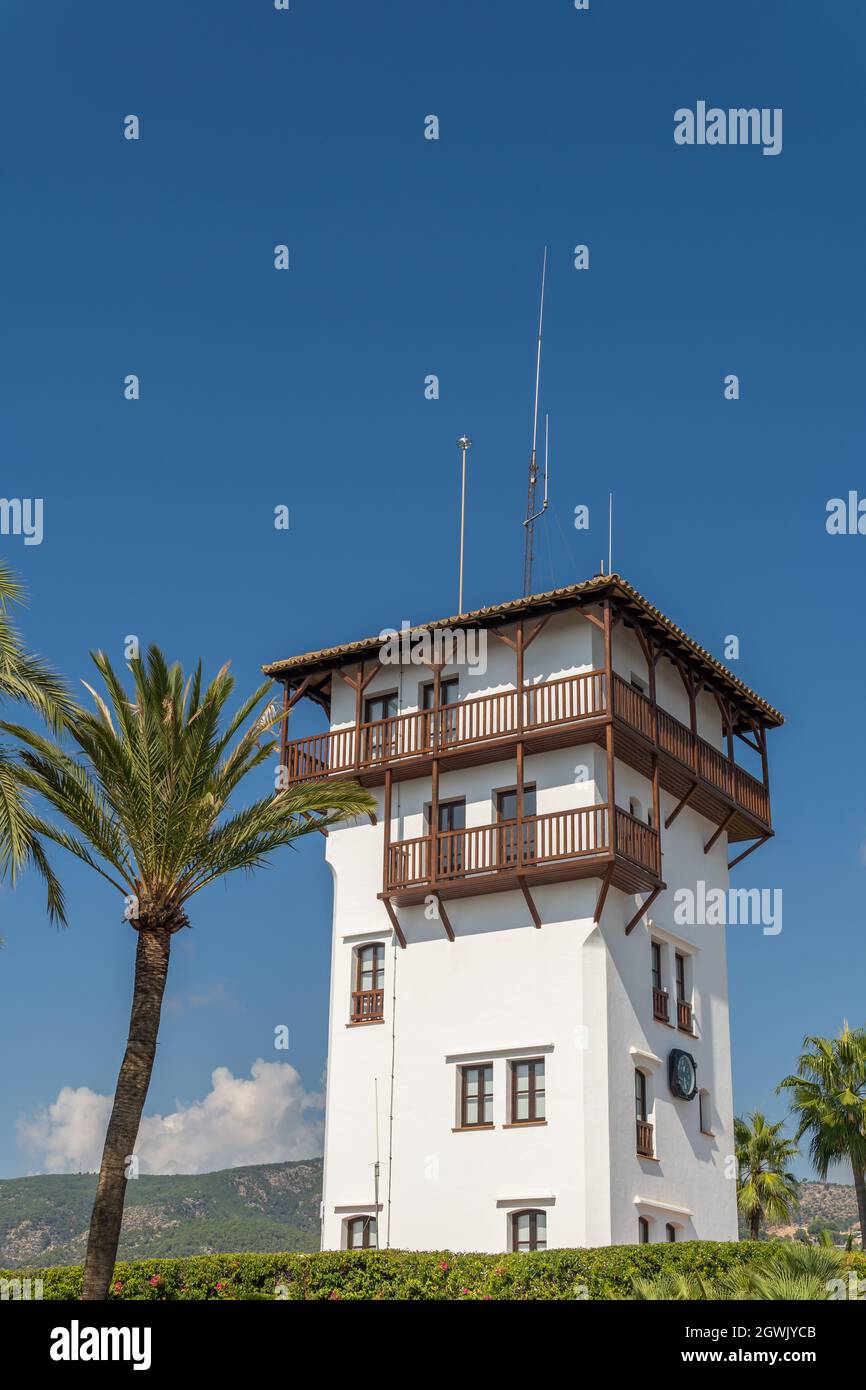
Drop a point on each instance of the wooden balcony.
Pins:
(661, 1005)
(644, 1139)
(685, 1019)
(569, 710)
(551, 848)
(367, 1005)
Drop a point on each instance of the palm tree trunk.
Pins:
(860, 1189)
(755, 1225)
(151, 968)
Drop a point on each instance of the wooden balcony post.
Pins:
(519, 682)
(657, 826)
(434, 822)
(608, 733)
(386, 868)
(284, 729)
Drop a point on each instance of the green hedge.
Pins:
(601, 1273)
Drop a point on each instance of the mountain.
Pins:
(822, 1204)
(268, 1206)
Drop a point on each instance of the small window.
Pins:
(638, 683)
(670, 1233)
(642, 1231)
(640, 1095)
(361, 1233)
(635, 807)
(527, 1092)
(380, 707)
(705, 1112)
(529, 1230)
(680, 962)
(448, 692)
(657, 965)
(476, 1096)
(368, 995)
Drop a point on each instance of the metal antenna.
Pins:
(610, 533)
(529, 523)
(463, 443)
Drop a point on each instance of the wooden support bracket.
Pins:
(395, 922)
(645, 907)
(716, 833)
(443, 917)
(684, 801)
(605, 885)
(530, 903)
(746, 852)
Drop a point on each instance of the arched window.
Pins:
(644, 1129)
(670, 1232)
(361, 1233)
(635, 807)
(529, 1230)
(368, 993)
(643, 1231)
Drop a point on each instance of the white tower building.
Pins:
(528, 1024)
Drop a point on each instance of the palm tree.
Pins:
(829, 1100)
(25, 679)
(766, 1190)
(143, 803)
(793, 1271)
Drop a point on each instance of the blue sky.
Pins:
(306, 388)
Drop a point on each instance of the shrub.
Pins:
(603, 1273)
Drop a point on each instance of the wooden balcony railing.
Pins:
(484, 849)
(684, 1016)
(644, 1139)
(486, 718)
(638, 841)
(481, 719)
(367, 1005)
(691, 750)
(661, 1005)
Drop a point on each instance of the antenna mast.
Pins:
(529, 523)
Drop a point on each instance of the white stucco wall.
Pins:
(576, 993)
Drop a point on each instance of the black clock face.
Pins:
(683, 1074)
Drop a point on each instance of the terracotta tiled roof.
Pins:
(590, 590)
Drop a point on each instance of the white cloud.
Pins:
(266, 1118)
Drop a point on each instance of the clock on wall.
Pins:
(682, 1074)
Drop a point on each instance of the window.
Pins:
(643, 1231)
(637, 683)
(640, 1095)
(643, 1128)
(380, 740)
(681, 977)
(506, 816)
(369, 994)
(451, 819)
(657, 965)
(684, 1008)
(660, 996)
(635, 808)
(361, 1233)
(670, 1233)
(529, 1230)
(476, 1096)
(448, 692)
(448, 719)
(705, 1112)
(527, 1092)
